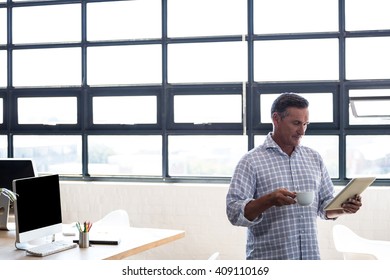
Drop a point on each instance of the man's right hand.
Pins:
(281, 197)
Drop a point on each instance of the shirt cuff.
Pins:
(244, 221)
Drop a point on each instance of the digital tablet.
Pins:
(355, 187)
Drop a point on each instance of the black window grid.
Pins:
(165, 91)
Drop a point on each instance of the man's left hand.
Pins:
(352, 205)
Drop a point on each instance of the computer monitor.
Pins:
(37, 209)
(11, 169)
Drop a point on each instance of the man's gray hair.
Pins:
(288, 99)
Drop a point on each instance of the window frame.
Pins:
(249, 89)
(182, 90)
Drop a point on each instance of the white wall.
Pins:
(200, 211)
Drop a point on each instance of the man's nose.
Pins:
(302, 129)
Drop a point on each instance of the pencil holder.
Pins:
(84, 239)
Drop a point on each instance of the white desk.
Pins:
(133, 241)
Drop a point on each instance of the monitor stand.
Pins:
(33, 243)
(4, 212)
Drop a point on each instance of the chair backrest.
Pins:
(345, 239)
(352, 245)
(115, 218)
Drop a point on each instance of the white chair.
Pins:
(115, 218)
(355, 247)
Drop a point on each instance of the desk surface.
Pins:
(133, 241)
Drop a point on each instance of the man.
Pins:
(264, 185)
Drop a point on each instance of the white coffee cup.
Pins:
(305, 198)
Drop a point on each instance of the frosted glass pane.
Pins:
(47, 67)
(125, 110)
(47, 110)
(368, 58)
(52, 23)
(115, 20)
(367, 15)
(3, 146)
(196, 155)
(124, 65)
(125, 155)
(1, 110)
(207, 62)
(286, 16)
(368, 155)
(3, 69)
(206, 17)
(368, 111)
(213, 108)
(294, 60)
(3, 26)
(55, 154)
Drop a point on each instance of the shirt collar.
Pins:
(269, 143)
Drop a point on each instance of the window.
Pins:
(3, 146)
(121, 65)
(296, 60)
(374, 13)
(47, 67)
(1, 110)
(124, 110)
(3, 26)
(47, 110)
(119, 20)
(208, 62)
(3, 69)
(210, 156)
(369, 107)
(200, 109)
(184, 18)
(111, 155)
(179, 90)
(47, 24)
(368, 155)
(367, 58)
(59, 154)
(293, 18)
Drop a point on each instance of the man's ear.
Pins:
(275, 118)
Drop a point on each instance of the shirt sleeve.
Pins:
(241, 192)
(326, 191)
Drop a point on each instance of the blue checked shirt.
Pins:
(286, 232)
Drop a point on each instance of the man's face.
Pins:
(292, 127)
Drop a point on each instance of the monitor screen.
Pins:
(11, 169)
(37, 208)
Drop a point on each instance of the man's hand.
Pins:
(281, 197)
(351, 206)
